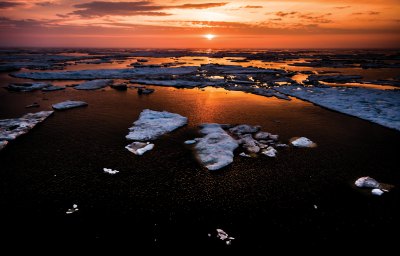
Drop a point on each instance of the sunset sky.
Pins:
(183, 23)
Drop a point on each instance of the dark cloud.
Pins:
(366, 13)
(342, 7)
(284, 14)
(45, 3)
(253, 6)
(148, 8)
(9, 4)
(316, 19)
(196, 6)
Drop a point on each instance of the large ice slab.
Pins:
(27, 87)
(10, 129)
(378, 106)
(215, 149)
(69, 104)
(94, 84)
(152, 124)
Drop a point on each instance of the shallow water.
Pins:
(166, 199)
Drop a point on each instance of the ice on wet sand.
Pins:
(215, 149)
(152, 124)
(69, 104)
(94, 84)
(303, 142)
(139, 148)
(10, 129)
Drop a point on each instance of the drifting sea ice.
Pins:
(152, 124)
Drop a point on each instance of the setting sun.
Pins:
(209, 36)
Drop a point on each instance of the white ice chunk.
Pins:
(27, 87)
(189, 142)
(69, 104)
(366, 182)
(250, 144)
(244, 128)
(110, 171)
(10, 129)
(73, 209)
(224, 236)
(262, 135)
(270, 151)
(152, 124)
(244, 154)
(303, 142)
(94, 84)
(215, 149)
(377, 192)
(139, 148)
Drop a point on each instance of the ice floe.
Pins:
(377, 192)
(69, 104)
(270, 151)
(73, 209)
(145, 91)
(53, 88)
(244, 128)
(139, 148)
(250, 144)
(94, 84)
(215, 149)
(110, 171)
(152, 124)
(128, 73)
(222, 235)
(10, 129)
(366, 182)
(378, 106)
(303, 142)
(27, 87)
(33, 105)
(190, 142)
(244, 155)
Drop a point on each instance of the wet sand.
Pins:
(166, 199)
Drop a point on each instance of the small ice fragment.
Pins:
(224, 236)
(110, 171)
(273, 137)
(303, 142)
(244, 154)
(315, 206)
(262, 135)
(366, 182)
(73, 209)
(377, 192)
(139, 148)
(270, 151)
(189, 142)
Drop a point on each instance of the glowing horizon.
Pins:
(180, 23)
